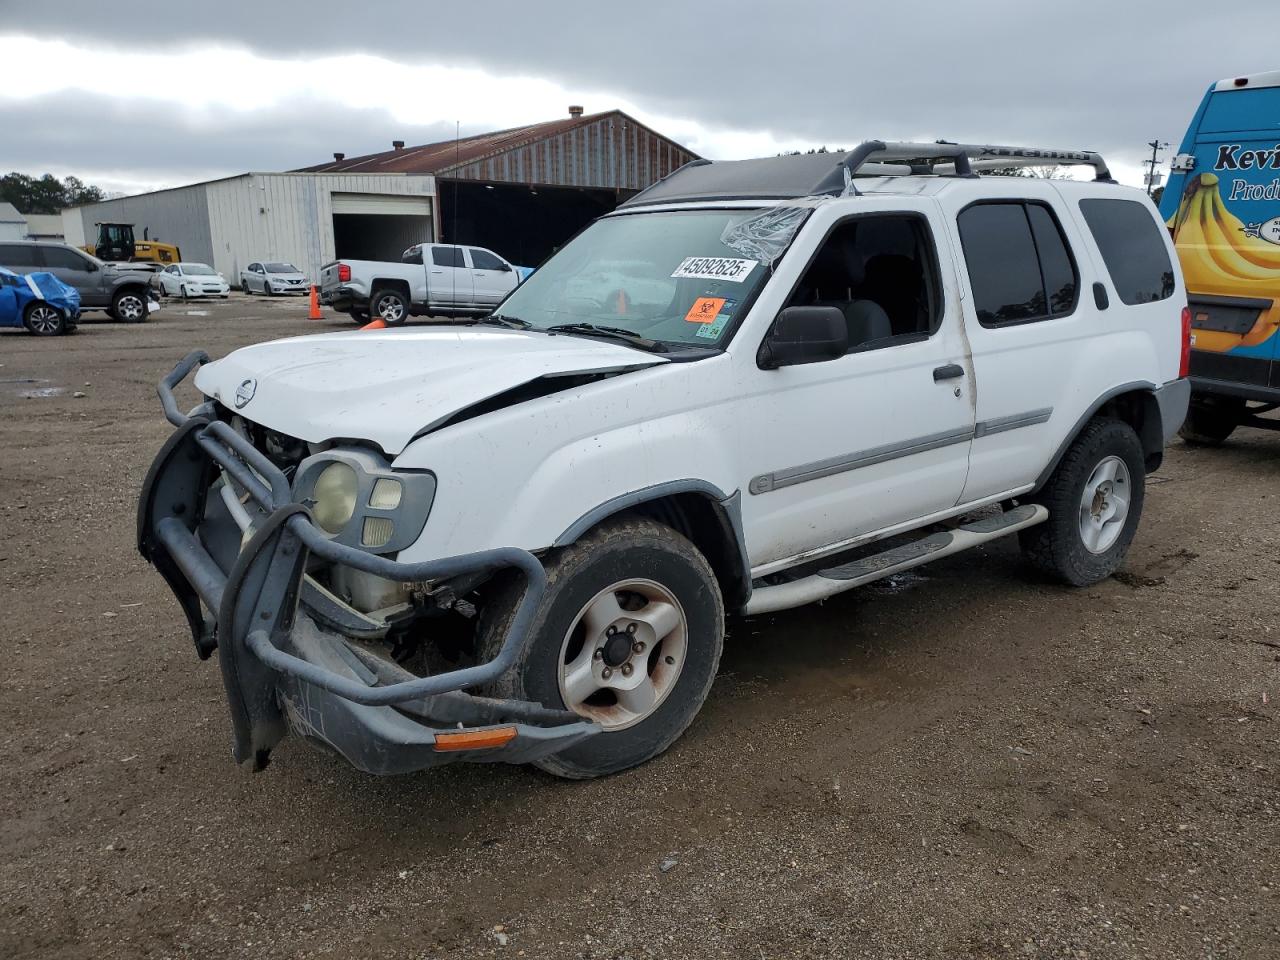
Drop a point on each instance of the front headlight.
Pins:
(359, 500)
(335, 495)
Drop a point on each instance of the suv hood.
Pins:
(389, 386)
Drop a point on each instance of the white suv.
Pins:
(755, 385)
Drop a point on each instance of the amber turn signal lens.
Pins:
(475, 739)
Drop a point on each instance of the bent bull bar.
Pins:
(280, 668)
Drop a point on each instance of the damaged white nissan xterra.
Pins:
(754, 385)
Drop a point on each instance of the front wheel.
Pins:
(44, 320)
(129, 306)
(1094, 499)
(628, 635)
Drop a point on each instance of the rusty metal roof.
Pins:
(443, 157)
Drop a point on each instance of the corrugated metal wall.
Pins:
(289, 216)
(178, 216)
(612, 152)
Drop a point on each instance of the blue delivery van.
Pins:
(1222, 204)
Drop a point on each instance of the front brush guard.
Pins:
(279, 669)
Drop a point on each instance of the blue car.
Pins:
(38, 301)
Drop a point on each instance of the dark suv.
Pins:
(122, 292)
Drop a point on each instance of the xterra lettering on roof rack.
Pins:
(803, 175)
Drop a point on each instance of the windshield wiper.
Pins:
(618, 333)
(502, 320)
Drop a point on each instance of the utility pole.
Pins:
(1156, 146)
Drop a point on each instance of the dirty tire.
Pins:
(390, 305)
(615, 551)
(1210, 420)
(1056, 547)
(44, 320)
(129, 306)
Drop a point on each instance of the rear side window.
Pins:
(1019, 265)
(1132, 249)
(447, 256)
(19, 255)
(484, 260)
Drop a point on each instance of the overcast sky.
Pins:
(156, 95)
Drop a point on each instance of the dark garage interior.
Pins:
(524, 223)
(378, 236)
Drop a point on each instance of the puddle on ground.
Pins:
(41, 392)
(34, 389)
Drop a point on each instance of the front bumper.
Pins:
(287, 663)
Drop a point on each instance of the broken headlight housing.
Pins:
(359, 500)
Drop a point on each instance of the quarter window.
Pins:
(1020, 267)
(1132, 248)
(447, 256)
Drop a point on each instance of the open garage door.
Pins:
(373, 226)
(525, 223)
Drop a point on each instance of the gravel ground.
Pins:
(963, 762)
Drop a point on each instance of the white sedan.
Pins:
(192, 280)
(273, 277)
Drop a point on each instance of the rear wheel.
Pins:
(43, 320)
(628, 635)
(1210, 420)
(390, 306)
(129, 306)
(1094, 499)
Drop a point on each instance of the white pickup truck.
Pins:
(431, 279)
(757, 384)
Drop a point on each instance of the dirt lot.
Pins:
(963, 763)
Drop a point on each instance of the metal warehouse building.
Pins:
(521, 192)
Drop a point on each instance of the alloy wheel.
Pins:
(623, 653)
(1104, 505)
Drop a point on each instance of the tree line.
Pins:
(46, 194)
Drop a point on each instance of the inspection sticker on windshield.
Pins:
(715, 268)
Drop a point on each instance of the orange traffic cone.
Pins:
(315, 313)
(378, 324)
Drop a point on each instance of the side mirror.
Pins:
(505, 268)
(804, 335)
(91, 266)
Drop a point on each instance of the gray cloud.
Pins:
(136, 141)
(1100, 74)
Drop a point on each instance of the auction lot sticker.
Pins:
(714, 268)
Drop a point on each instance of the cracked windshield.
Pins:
(680, 277)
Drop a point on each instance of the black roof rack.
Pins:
(812, 174)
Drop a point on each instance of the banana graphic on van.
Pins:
(1220, 255)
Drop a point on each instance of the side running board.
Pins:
(833, 580)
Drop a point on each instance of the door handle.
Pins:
(947, 372)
